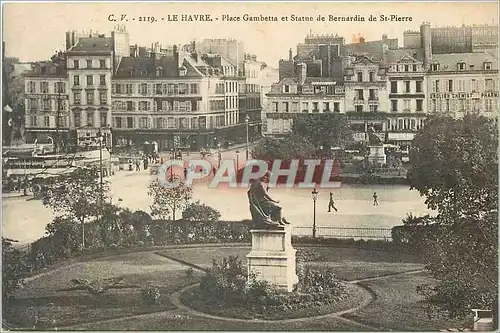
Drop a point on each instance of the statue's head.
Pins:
(266, 176)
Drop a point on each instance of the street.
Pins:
(25, 220)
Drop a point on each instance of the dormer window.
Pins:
(144, 72)
(435, 67)
(159, 71)
(182, 71)
(286, 89)
(407, 68)
(487, 65)
(381, 71)
(461, 66)
(130, 71)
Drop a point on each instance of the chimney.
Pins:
(426, 42)
(254, 57)
(301, 73)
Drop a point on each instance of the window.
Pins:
(326, 106)
(144, 88)
(158, 89)
(103, 119)
(418, 86)
(447, 105)
(435, 67)
(305, 106)
(450, 85)
(461, 105)
(90, 118)
(102, 80)
(407, 86)
(118, 88)
(130, 122)
(372, 76)
(89, 63)
(394, 87)
(183, 88)
(414, 68)
(77, 97)
(372, 95)
(159, 71)
(407, 105)
(130, 106)
(76, 64)
(473, 85)
(419, 104)
(76, 80)
(102, 63)
(436, 85)
(194, 88)
(59, 88)
(461, 66)
(359, 108)
(128, 88)
(487, 65)
(434, 105)
(394, 105)
(360, 76)
(103, 97)
(46, 104)
(359, 94)
(286, 106)
(336, 106)
(144, 122)
(275, 106)
(286, 89)
(32, 87)
(488, 84)
(315, 107)
(78, 119)
(407, 68)
(90, 80)
(90, 97)
(118, 122)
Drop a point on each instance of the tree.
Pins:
(63, 232)
(197, 211)
(14, 270)
(324, 129)
(454, 164)
(167, 200)
(291, 147)
(78, 195)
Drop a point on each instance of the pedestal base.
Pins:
(273, 258)
(377, 155)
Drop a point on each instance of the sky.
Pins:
(34, 31)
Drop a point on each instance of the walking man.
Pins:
(185, 173)
(214, 171)
(331, 204)
(375, 199)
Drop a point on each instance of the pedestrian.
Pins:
(137, 166)
(375, 199)
(331, 203)
(185, 173)
(130, 164)
(214, 170)
(145, 164)
(19, 184)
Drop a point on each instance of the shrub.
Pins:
(151, 295)
(197, 211)
(14, 270)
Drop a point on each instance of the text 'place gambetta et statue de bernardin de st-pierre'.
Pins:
(272, 257)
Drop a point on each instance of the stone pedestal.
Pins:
(273, 258)
(377, 155)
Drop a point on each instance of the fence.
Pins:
(344, 232)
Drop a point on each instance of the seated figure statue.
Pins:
(266, 212)
(373, 139)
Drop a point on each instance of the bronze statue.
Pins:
(373, 139)
(266, 212)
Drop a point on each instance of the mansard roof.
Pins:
(473, 61)
(93, 45)
(137, 67)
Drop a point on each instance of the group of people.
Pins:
(331, 203)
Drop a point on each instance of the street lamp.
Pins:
(315, 197)
(237, 159)
(247, 119)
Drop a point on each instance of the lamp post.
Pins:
(247, 119)
(315, 197)
(237, 159)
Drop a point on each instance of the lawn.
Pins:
(399, 307)
(180, 321)
(48, 301)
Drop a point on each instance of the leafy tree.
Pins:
(292, 147)
(63, 232)
(324, 129)
(110, 224)
(197, 211)
(14, 270)
(167, 200)
(454, 164)
(78, 195)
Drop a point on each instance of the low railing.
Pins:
(344, 232)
